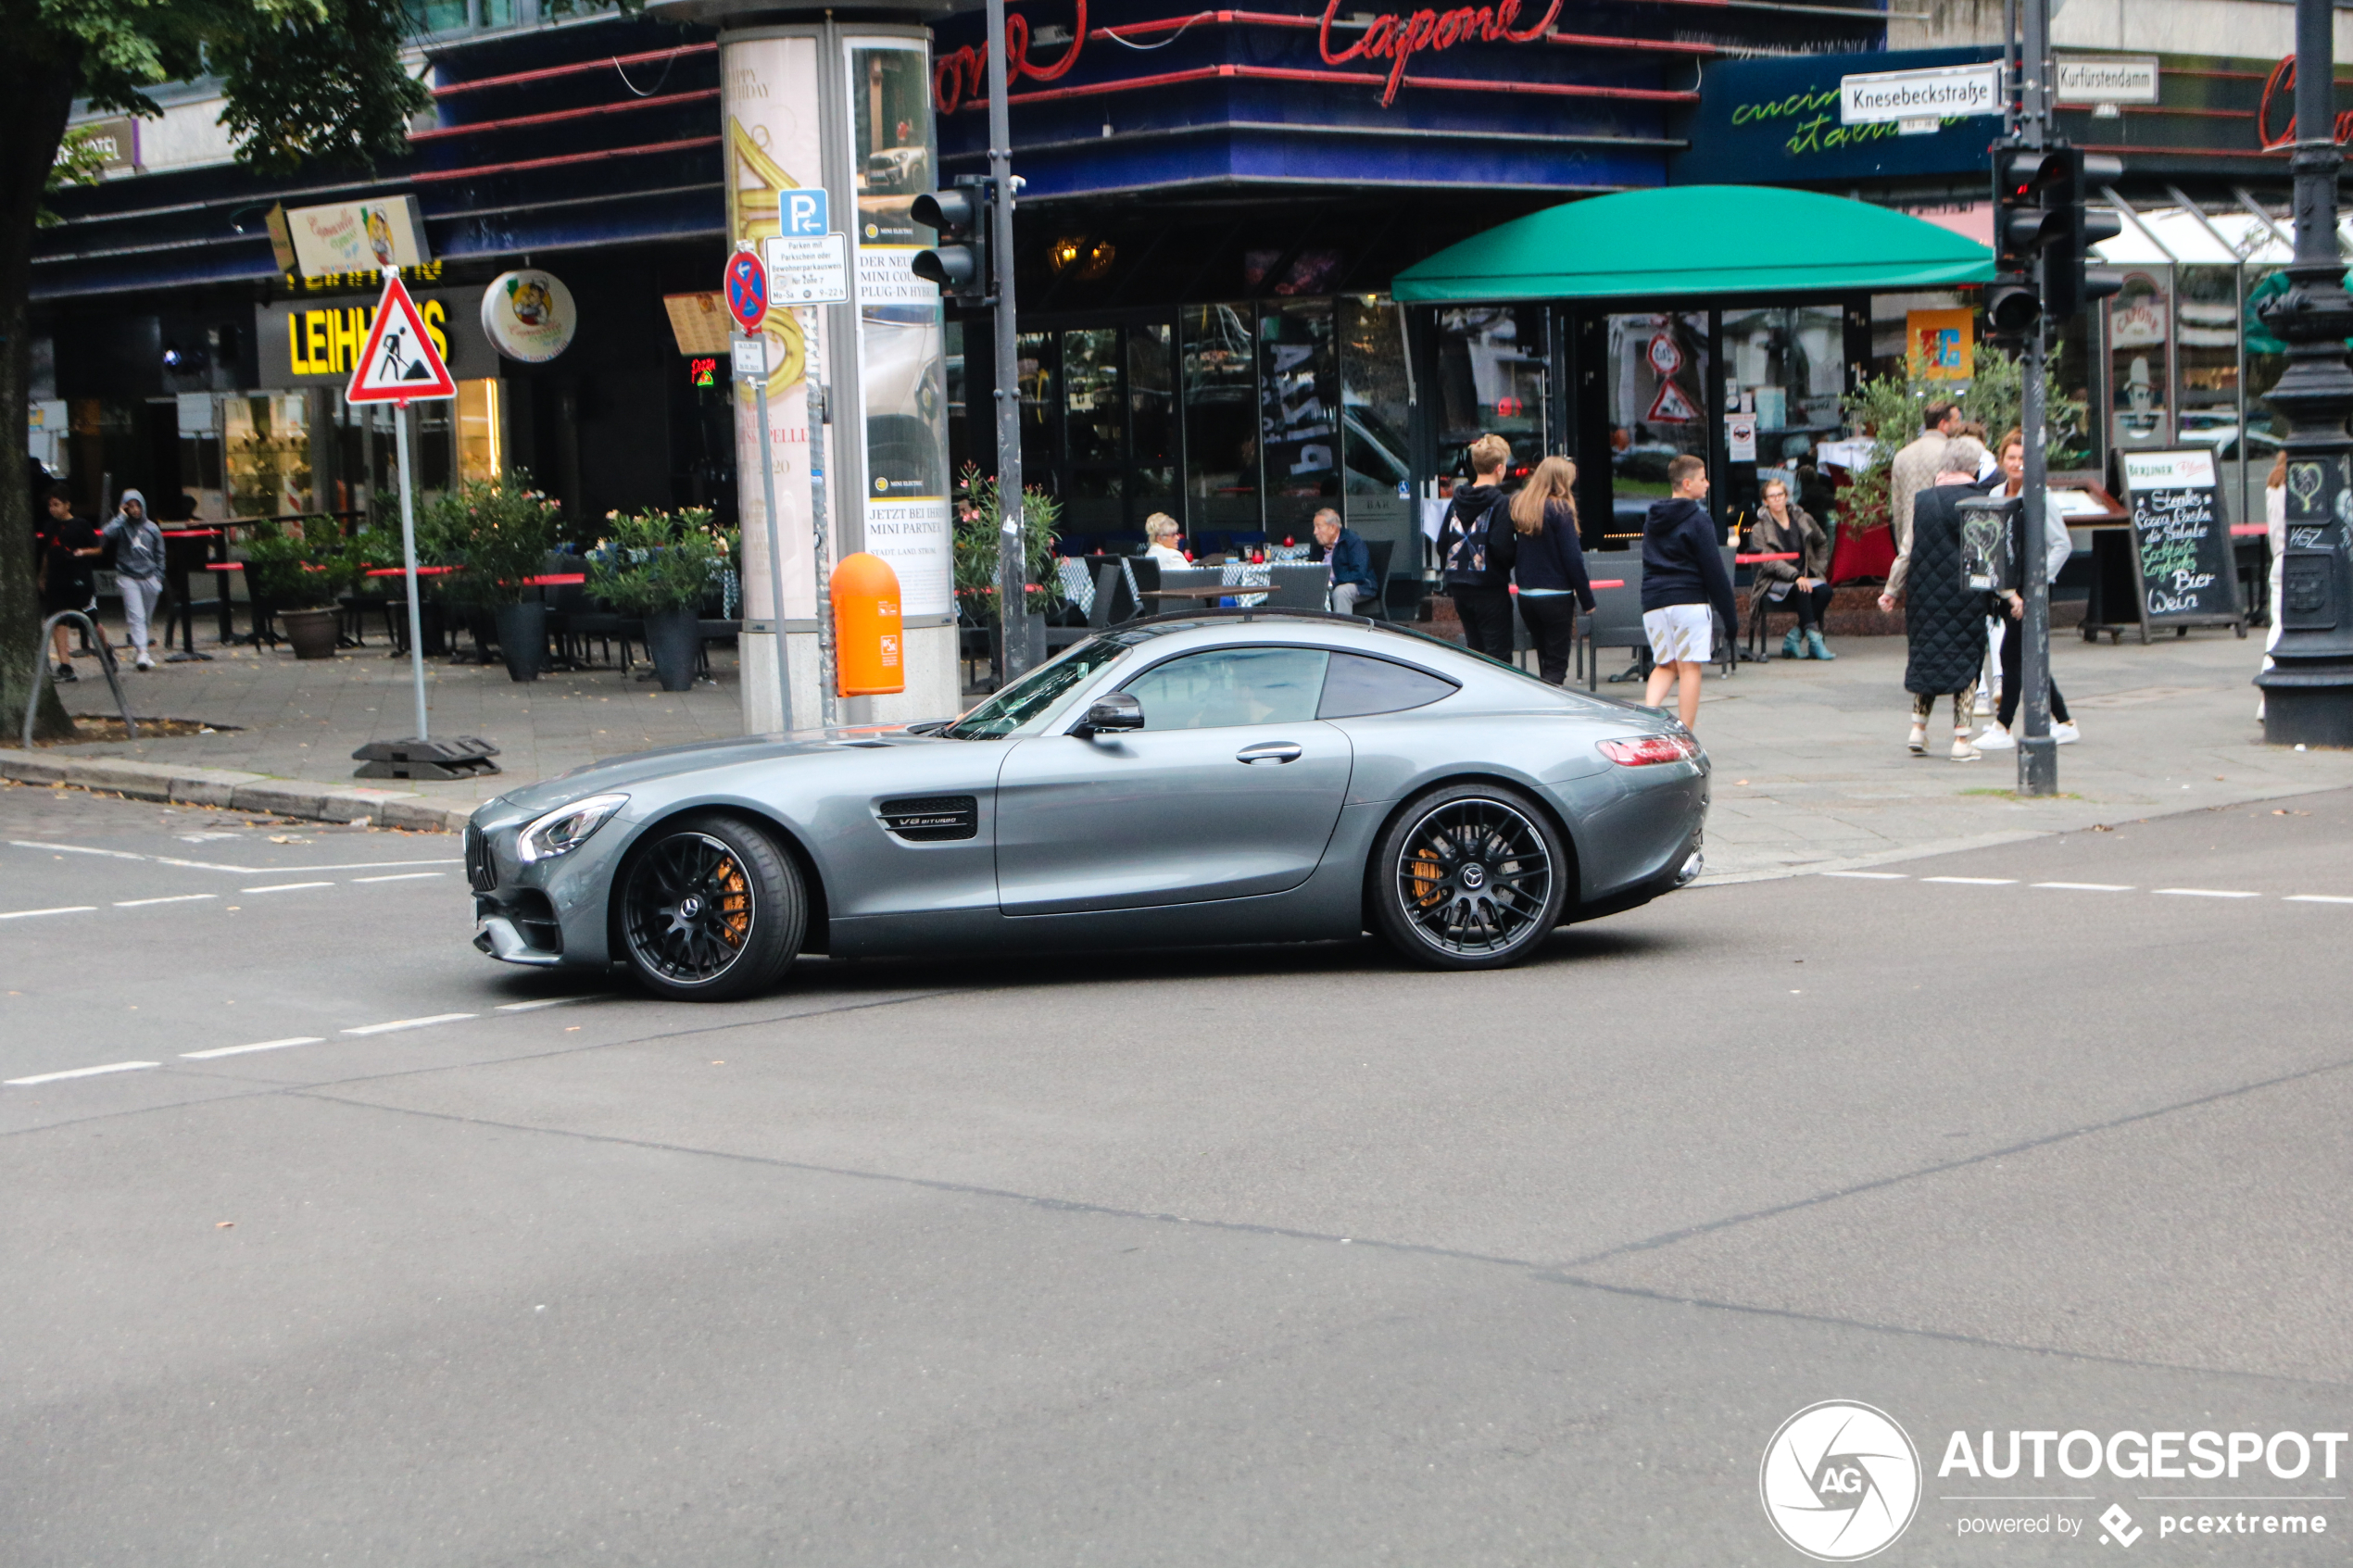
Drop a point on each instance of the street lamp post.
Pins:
(2308, 696)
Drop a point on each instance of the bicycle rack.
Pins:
(105, 663)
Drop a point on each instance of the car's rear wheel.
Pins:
(711, 910)
(1469, 876)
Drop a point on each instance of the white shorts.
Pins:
(1680, 633)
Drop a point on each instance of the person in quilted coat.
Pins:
(1944, 618)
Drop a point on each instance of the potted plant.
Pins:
(660, 567)
(500, 532)
(298, 575)
(978, 522)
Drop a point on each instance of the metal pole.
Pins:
(409, 559)
(775, 537)
(2037, 752)
(821, 415)
(1013, 557)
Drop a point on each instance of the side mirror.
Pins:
(1116, 711)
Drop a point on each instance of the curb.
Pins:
(235, 791)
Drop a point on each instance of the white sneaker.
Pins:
(2065, 733)
(1985, 708)
(1964, 752)
(1996, 738)
(144, 664)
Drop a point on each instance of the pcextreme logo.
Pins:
(1840, 1480)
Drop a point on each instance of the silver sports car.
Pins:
(1218, 777)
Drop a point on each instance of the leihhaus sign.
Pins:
(1942, 94)
(307, 343)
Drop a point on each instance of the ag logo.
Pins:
(1840, 1480)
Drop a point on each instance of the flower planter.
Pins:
(523, 638)
(674, 641)
(312, 632)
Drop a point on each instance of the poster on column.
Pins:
(902, 349)
(769, 88)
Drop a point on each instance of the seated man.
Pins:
(1348, 564)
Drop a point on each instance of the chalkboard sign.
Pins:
(2182, 540)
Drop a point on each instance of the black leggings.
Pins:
(1487, 621)
(2014, 680)
(1552, 626)
(1811, 605)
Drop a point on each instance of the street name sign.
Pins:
(810, 269)
(399, 364)
(1919, 100)
(2104, 79)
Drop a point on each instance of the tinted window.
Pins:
(1358, 685)
(1232, 686)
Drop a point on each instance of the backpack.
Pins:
(1462, 550)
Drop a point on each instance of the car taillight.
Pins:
(1649, 749)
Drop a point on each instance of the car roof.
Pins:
(1325, 628)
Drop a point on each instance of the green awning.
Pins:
(1681, 241)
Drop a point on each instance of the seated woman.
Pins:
(1161, 532)
(1783, 527)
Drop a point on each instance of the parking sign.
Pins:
(804, 212)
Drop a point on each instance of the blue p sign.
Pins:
(805, 212)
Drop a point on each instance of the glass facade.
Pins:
(1491, 378)
(1220, 364)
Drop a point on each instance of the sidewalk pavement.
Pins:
(1811, 770)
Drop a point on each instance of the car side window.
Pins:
(1357, 686)
(1227, 687)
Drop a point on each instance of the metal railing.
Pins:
(106, 661)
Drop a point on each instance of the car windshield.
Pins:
(1036, 692)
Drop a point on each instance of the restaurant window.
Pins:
(1151, 421)
(198, 415)
(1040, 409)
(1094, 426)
(1492, 381)
(1658, 370)
(1376, 473)
(266, 453)
(1299, 401)
(2139, 340)
(1220, 365)
(2206, 357)
(481, 434)
(1788, 367)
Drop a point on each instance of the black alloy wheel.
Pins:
(711, 910)
(1469, 876)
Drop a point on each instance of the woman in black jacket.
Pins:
(1551, 568)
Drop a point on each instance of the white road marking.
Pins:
(60, 909)
(2203, 893)
(1976, 881)
(2317, 899)
(407, 1023)
(402, 876)
(286, 886)
(260, 1046)
(2088, 886)
(82, 1072)
(1872, 876)
(216, 866)
(544, 1002)
(174, 898)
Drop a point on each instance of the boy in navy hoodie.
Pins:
(1684, 588)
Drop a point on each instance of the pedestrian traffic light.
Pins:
(958, 260)
(2066, 288)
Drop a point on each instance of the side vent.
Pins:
(931, 819)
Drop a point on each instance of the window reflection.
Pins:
(1221, 417)
(1491, 380)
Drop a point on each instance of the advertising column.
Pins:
(773, 136)
(902, 362)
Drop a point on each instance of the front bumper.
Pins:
(502, 939)
(540, 915)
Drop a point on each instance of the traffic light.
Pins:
(2021, 228)
(2066, 288)
(958, 260)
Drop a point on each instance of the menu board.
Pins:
(2181, 539)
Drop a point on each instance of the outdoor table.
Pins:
(181, 609)
(403, 571)
(1752, 560)
(1208, 591)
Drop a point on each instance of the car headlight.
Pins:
(566, 828)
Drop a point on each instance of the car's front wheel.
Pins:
(711, 910)
(1469, 876)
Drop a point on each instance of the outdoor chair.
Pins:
(1760, 632)
(1617, 618)
(1377, 608)
(1106, 591)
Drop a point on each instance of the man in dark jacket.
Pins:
(69, 562)
(1477, 547)
(1348, 562)
(1684, 588)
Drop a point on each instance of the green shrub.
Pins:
(652, 562)
(499, 530)
(977, 523)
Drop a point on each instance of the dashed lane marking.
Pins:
(174, 898)
(217, 866)
(81, 1073)
(286, 886)
(2088, 886)
(60, 909)
(257, 1046)
(2317, 899)
(401, 876)
(2203, 893)
(1872, 876)
(408, 1023)
(1976, 881)
(542, 1002)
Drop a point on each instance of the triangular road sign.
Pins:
(1670, 406)
(400, 364)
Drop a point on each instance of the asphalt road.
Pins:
(1243, 1257)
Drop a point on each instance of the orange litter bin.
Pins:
(868, 647)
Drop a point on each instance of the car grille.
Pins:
(482, 871)
(931, 818)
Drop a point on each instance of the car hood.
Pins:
(618, 773)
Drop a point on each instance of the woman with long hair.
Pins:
(1549, 571)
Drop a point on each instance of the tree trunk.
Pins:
(36, 94)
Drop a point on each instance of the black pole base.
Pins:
(461, 756)
(2305, 715)
(2037, 765)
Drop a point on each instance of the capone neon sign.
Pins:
(1398, 39)
(964, 73)
(2282, 83)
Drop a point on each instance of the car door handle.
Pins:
(1269, 751)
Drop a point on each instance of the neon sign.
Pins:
(2282, 82)
(702, 370)
(964, 73)
(1398, 39)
